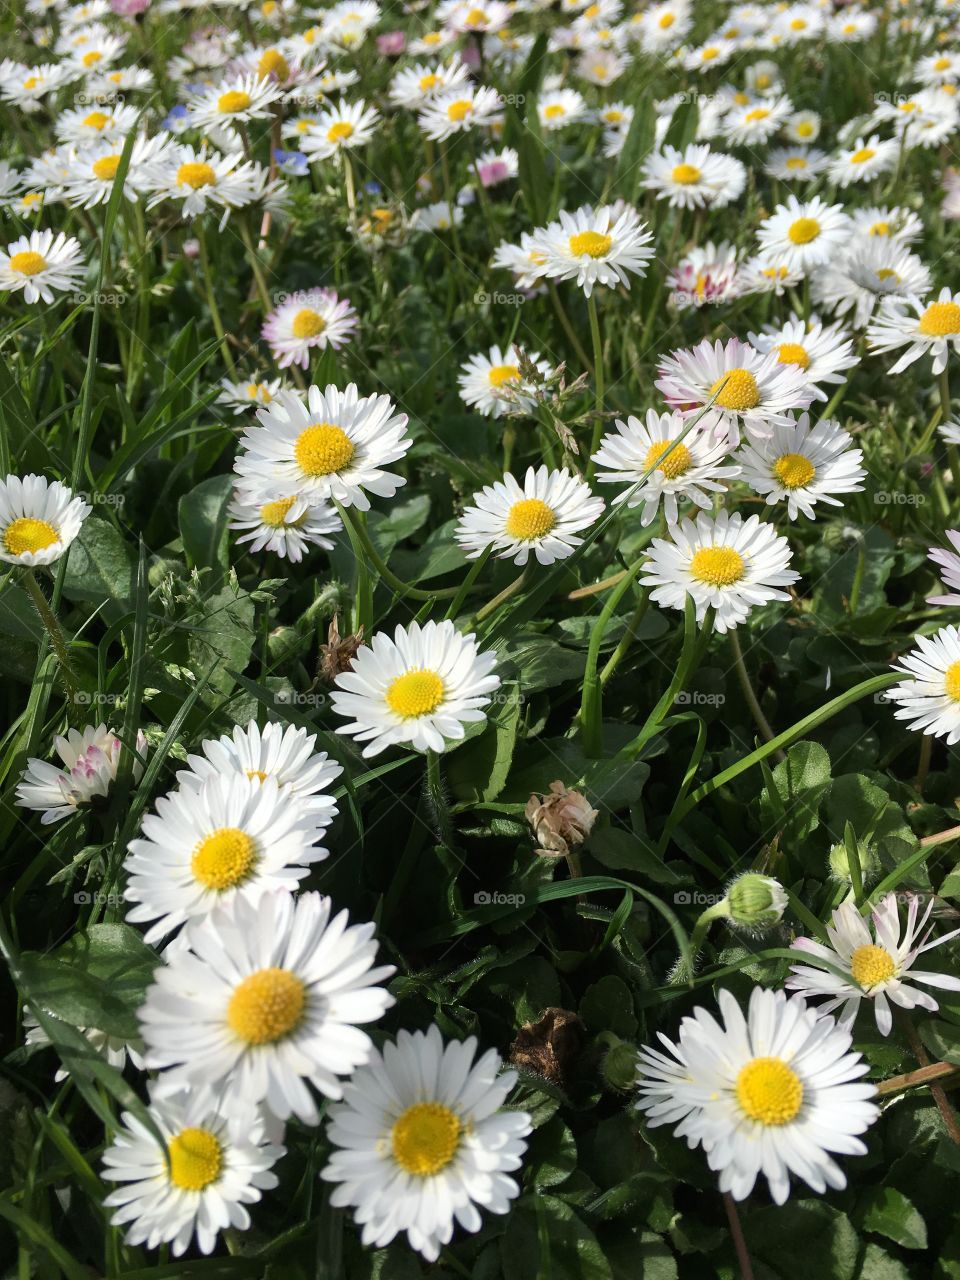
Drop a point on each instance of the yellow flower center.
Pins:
(196, 175)
(685, 174)
(613, 116)
(804, 230)
(592, 11)
(804, 129)
(323, 449)
(793, 470)
(223, 859)
(862, 155)
(31, 82)
(740, 98)
(92, 58)
(28, 535)
(340, 131)
(106, 168)
(871, 965)
(415, 694)
(593, 243)
(666, 21)
(429, 82)
(907, 107)
(717, 566)
(475, 18)
(459, 110)
(940, 319)
(500, 374)
(306, 123)
(196, 1159)
(425, 1138)
(769, 1091)
(28, 263)
(708, 55)
(887, 273)
(432, 37)
(554, 110)
(268, 8)
(880, 229)
(32, 198)
(758, 113)
(763, 81)
(256, 773)
(274, 514)
(273, 63)
(672, 467)
(737, 390)
(951, 681)
(529, 519)
(96, 120)
(308, 323)
(793, 353)
(233, 100)
(266, 1006)
(849, 28)
(796, 162)
(941, 64)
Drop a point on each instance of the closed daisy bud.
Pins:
(838, 861)
(756, 902)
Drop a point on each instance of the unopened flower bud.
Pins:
(619, 1067)
(756, 902)
(284, 644)
(560, 820)
(163, 568)
(838, 860)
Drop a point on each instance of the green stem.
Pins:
(437, 800)
(626, 640)
(463, 590)
(514, 588)
(363, 601)
(48, 618)
(211, 299)
(591, 704)
(598, 382)
(858, 576)
(255, 265)
(761, 721)
(720, 909)
(390, 578)
(568, 328)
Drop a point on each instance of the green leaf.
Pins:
(800, 783)
(811, 1230)
(479, 771)
(101, 565)
(622, 850)
(607, 1005)
(203, 523)
(546, 1238)
(889, 1213)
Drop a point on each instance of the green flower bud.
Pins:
(163, 568)
(838, 861)
(756, 902)
(284, 644)
(620, 1067)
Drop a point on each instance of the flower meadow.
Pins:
(480, 614)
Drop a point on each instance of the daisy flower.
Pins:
(494, 167)
(775, 1092)
(803, 234)
(40, 264)
(235, 100)
(869, 272)
(930, 696)
(334, 445)
(878, 962)
(748, 389)
(340, 128)
(90, 762)
(492, 385)
(90, 177)
(199, 178)
(615, 115)
(938, 68)
(307, 320)
(595, 246)
(757, 121)
(662, 26)
(863, 161)
(458, 110)
(421, 1139)
(541, 518)
(288, 527)
(415, 85)
(420, 688)
(707, 57)
(26, 86)
(263, 1000)
(822, 353)
(558, 109)
(695, 177)
(38, 519)
(803, 127)
(949, 561)
(692, 470)
(796, 164)
(231, 834)
(725, 563)
(215, 1160)
(114, 1050)
(707, 276)
(80, 126)
(851, 26)
(436, 217)
(241, 396)
(602, 65)
(767, 275)
(523, 260)
(803, 465)
(284, 753)
(897, 225)
(933, 328)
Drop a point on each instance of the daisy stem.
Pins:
(519, 584)
(858, 576)
(923, 764)
(591, 704)
(464, 589)
(256, 266)
(348, 182)
(756, 710)
(626, 640)
(437, 800)
(947, 1113)
(211, 299)
(448, 197)
(48, 618)
(739, 1242)
(598, 382)
(363, 596)
(390, 578)
(568, 327)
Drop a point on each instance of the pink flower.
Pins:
(494, 172)
(129, 8)
(391, 44)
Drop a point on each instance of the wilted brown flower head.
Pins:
(338, 653)
(560, 820)
(549, 1046)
